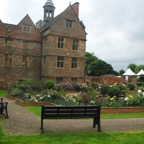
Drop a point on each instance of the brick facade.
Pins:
(30, 53)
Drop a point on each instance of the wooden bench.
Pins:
(3, 108)
(70, 112)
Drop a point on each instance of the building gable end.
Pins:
(26, 30)
(68, 25)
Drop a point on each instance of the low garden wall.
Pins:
(122, 110)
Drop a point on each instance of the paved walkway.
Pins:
(24, 122)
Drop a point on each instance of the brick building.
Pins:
(53, 49)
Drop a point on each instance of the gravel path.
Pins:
(24, 122)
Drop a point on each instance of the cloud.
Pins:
(116, 31)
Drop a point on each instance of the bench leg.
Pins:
(94, 123)
(41, 128)
(97, 122)
(6, 116)
(99, 127)
(42, 131)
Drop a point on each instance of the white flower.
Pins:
(139, 91)
(49, 96)
(126, 99)
(74, 100)
(92, 102)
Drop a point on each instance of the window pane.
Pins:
(60, 61)
(69, 23)
(74, 63)
(60, 42)
(26, 28)
(59, 80)
(75, 44)
(74, 80)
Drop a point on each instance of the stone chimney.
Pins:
(75, 6)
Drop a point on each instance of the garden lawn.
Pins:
(79, 138)
(37, 110)
(3, 93)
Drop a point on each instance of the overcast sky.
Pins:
(115, 27)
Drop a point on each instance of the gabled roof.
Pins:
(52, 21)
(141, 72)
(129, 72)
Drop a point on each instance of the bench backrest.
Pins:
(70, 111)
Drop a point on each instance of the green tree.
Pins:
(132, 67)
(99, 67)
(121, 72)
(90, 57)
(138, 68)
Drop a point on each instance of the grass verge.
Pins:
(3, 93)
(80, 138)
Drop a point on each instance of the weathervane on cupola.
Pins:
(48, 11)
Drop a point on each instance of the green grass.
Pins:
(79, 138)
(3, 93)
(37, 111)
